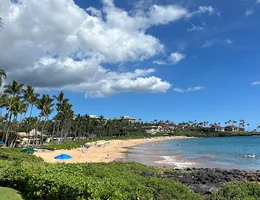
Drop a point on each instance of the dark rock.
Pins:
(206, 181)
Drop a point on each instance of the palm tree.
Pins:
(3, 102)
(14, 89)
(45, 105)
(21, 108)
(12, 105)
(68, 115)
(2, 76)
(31, 98)
(59, 105)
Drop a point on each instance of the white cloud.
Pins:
(209, 43)
(176, 57)
(55, 44)
(256, 83)
(193, 89)
(229, 41)
(179, 90)
(208, 9)
(249, 12)
(173, 59)
(195, 28)
(190, 89)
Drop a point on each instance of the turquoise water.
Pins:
(224, 152)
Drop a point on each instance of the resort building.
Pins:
(233, 128)
(216, 128)
(152, 129)
(169, 127)
(32, 133)
(127, 119)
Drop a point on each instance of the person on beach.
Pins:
(108, 154)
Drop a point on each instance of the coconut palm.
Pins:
(12, 105)
(3, 102)
(45, 105)
(20, 109)
(67, 117)
(59, 106)
(2, 76)
(14, 89)
(31, 98)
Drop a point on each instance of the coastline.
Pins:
(111, 152)
(185, 154)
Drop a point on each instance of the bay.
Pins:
(220, 152)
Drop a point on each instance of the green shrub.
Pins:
(15, 154)
(237, 191)
(90, 181)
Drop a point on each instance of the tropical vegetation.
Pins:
(38, 180)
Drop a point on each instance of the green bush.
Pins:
(237, 191)
(90, 181)
(15, 154)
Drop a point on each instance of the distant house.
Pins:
(168, 127)
(32, 133)
(180, 126)
(216, 128)
(127, 119)
(152, 129)
(232, 128)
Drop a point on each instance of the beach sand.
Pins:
(114, 150)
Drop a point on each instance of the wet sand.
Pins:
(111, 152)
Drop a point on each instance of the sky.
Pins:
(150, 59)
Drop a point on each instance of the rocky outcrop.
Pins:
(207, 181)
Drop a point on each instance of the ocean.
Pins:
(221, 152)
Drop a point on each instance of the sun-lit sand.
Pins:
(108, 153)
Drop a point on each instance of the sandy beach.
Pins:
(114, 150)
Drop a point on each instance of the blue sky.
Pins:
(199, 60)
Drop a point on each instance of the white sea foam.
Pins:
(172, 160)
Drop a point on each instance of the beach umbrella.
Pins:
(63, 157)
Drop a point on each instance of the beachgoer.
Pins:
(108, 154)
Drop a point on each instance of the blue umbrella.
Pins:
(63, 157)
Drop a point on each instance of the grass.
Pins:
(9, 194)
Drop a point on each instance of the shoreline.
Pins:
(113, 151)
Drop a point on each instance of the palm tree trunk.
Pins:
(43, 127)
(58, 128)
(29, 119)
(36, 128)
(53, 130)
(8, 127)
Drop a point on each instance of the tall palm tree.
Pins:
(3, 102)
(12, 105)
(2, 76)
(31, 98)
(14, 89)
(67, 117)
(45, 105)
(59, 105)
(20, 109)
